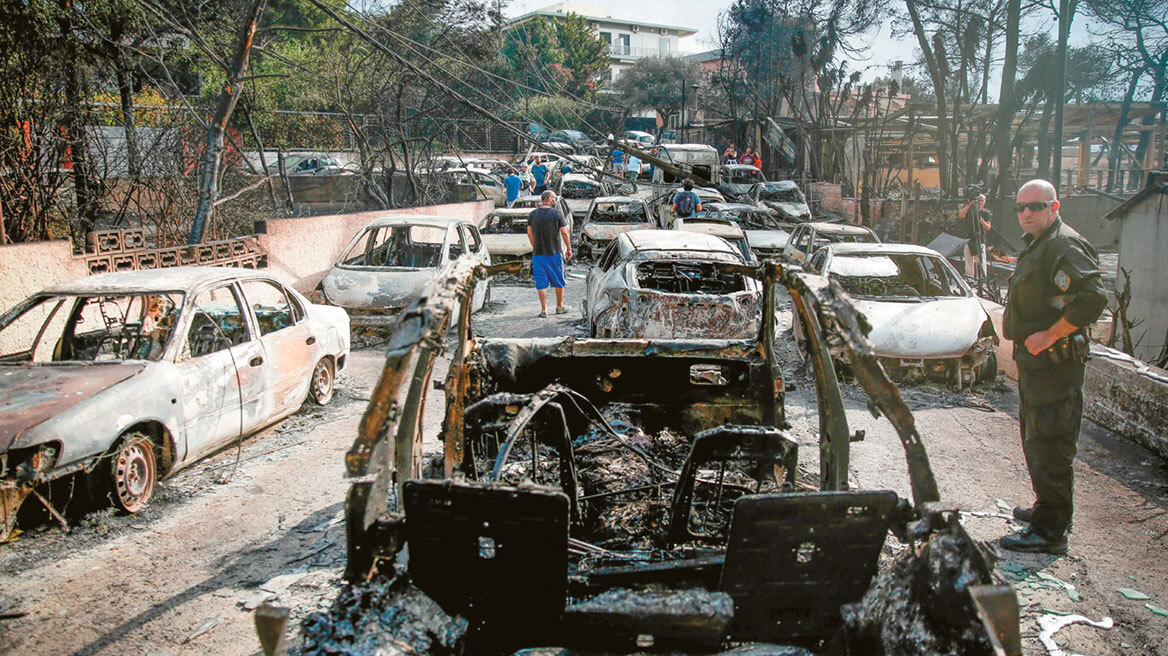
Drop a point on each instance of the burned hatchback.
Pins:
(392, 259)
(631, 496)
(131, 376)
(671, 284)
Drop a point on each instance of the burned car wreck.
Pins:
(621, 496)
(926, 321)
(123, 378)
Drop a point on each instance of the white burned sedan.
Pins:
(385, 266)
(926, 321)
(671, 284)
(131, 376)
(609, 216)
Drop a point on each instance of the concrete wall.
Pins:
(28, 268)
(1143, 250)
(301, 250)
(1085, 214)
(1129, 397)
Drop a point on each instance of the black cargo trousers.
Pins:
(1051, 415)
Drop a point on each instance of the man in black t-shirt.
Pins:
(546, 227)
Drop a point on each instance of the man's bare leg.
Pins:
(559, 297)
(543, 298)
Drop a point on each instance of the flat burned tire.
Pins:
(323, 382)
(132, 473)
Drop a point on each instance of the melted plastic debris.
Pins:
(920, 606)
(1052, 624)
(386, 615)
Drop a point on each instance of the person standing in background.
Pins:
(540, 173)
(546, 227)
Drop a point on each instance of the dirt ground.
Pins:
(265, 520)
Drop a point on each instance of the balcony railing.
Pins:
(636, 52)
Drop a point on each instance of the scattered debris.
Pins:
(1070, 588)
(1052, 624)
(384, 615)
(206, 626)
(256, 600)
(922, 606)
(1159, 610)
(1133, 594)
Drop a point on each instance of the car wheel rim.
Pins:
(134, 474)
(322, 382)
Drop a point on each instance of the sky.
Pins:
(702, 15)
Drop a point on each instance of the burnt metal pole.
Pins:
(1066, 13)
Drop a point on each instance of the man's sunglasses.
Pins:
(1036, 206)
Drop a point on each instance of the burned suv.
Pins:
(621, 496)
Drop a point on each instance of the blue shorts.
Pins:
(548, 270)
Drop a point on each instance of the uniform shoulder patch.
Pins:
(1062, 280)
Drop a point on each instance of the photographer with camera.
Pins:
(977, 225)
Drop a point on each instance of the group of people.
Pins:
(625, 166)
(532, 182)
(730, 155)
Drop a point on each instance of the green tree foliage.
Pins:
(656, 83)
(531, 51)
(555, 57)
(585, 58)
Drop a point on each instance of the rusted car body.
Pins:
(385, 266)
(131, 376)
(610, 216)
(765, 233)
(578, 189)
(783, 198)
(729, 555)
(926, 321)
(725, 228)
(737, 181)
(671, 284)
(807, 238)
(532, 202)
(504, 231)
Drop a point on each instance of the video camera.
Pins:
(971, 192)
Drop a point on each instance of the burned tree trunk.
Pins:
(217, 127)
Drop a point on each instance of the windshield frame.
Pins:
(72, 304)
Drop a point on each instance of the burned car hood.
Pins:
(769, 239)
(374, 287)
(943, 328)
(793, 211)
(607, 231)
(31, 394)
(507, 244)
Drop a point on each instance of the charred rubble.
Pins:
(602, 496)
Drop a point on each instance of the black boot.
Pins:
(1031, 541)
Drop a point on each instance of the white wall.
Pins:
(1143, 250)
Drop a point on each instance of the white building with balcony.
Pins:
(627, 40)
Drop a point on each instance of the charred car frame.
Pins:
(506, 528)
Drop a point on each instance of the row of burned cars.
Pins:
(600, 494)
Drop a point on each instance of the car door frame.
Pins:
(198, 375)
(291, 354)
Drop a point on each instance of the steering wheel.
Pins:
(874, 286)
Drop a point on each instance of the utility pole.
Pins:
(1066, 14)
(681, 117)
